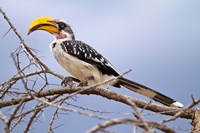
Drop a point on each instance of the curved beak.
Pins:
(44, 23)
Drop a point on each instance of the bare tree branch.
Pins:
(116, 121)
(182, 111)
(5, 120)
(139, 116)
(109, 94)
(196, 122)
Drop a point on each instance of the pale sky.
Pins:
(158, 40)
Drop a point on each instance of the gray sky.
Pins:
(158, 40)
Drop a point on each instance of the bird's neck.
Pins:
(65, 36)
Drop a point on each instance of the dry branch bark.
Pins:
(116, 121)
(196, 122)
(109, 94)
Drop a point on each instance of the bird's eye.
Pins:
(62, 25)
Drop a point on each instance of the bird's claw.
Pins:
(68, 81)
(85, 82)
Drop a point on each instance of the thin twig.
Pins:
(139, 116)
(117, 121)
(5, 120)
(26, 48)
(32, 118)
(6, 33)
(15, 110)
(53, 117)
(182, 111)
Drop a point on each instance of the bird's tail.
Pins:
(146, 91)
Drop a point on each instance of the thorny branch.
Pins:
(116, 121)
(30, 86)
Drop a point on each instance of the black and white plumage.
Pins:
(82, 61)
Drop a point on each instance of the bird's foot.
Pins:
(85, 82)
(68, 81)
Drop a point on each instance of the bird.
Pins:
(86, 64)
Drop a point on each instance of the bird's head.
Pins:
(59, 28)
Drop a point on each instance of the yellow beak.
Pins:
(44, 23)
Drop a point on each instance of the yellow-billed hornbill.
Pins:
(85, 63)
